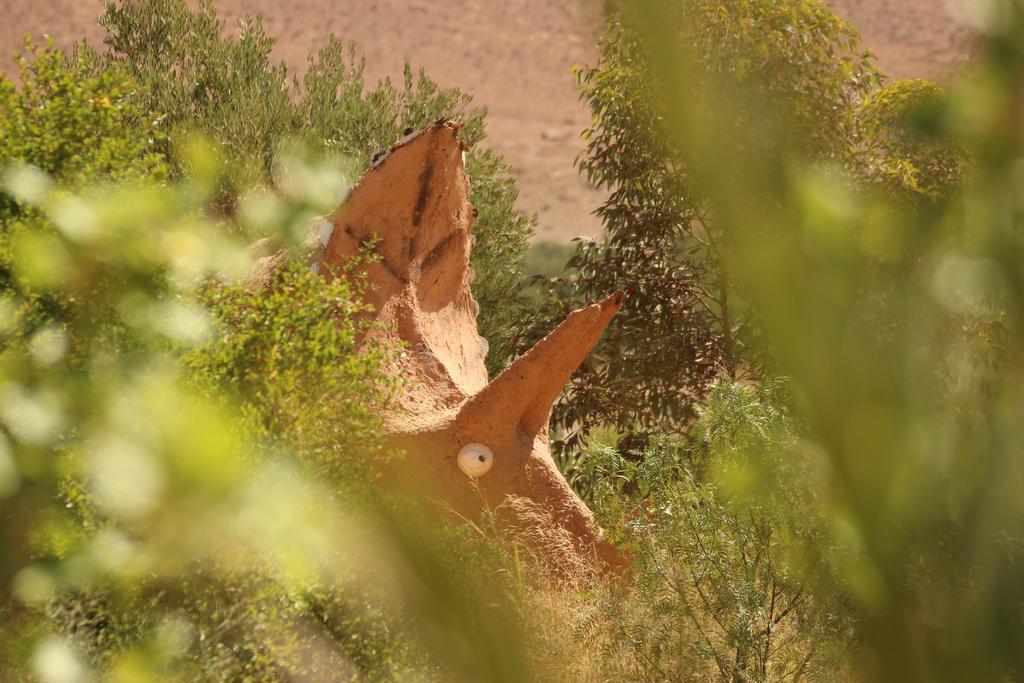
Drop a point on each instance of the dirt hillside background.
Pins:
(515, 56)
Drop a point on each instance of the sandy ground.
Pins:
(911, 38)
(515, 56)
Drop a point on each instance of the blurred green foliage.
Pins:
(170, 489)
(898, 324)
(191, 498)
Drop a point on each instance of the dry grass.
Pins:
(546, 546)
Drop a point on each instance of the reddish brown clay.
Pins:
(413, 208)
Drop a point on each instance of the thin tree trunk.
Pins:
(729, 342)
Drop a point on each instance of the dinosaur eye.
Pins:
(475, 459)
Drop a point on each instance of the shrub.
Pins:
(728, 541)
(81, 129)
(288, 355)
(198, 81)
(77, 126)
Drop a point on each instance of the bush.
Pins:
(288, 356)
(728, 540)
(77, 127)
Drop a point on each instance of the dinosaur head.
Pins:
(469, 442)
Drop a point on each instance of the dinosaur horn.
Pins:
(523, 394)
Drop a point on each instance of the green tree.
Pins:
(685, 321)
(904, 149)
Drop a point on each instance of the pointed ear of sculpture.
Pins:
(413, 205)
(523, 394)
(415, 201)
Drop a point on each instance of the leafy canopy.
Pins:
(685, 321)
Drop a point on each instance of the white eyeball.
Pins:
(475, 459)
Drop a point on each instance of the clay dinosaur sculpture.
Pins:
(474, 443)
